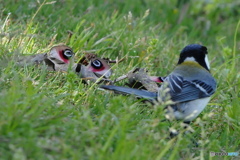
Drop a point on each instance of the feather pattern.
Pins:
(186, 90)
(190, 85)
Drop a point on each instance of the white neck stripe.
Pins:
(190, 59)
(207, 62)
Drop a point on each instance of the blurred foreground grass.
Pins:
(47, 115)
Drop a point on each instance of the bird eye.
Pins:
(68, 53)
(97, 64)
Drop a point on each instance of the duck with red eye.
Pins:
(67, 54)
(100, 67)
(60, 54)
(92, 68)
(57, 59)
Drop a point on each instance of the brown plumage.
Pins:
(61, 57)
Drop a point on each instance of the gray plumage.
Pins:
(190, 85)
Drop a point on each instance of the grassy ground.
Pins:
(47, 115)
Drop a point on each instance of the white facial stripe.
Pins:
(190, 59)
(54, 54)
(207, 62)
(106, 73)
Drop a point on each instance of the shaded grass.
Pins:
(48, 115)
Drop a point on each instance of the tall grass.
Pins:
(51, 115)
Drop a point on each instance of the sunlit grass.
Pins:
(51, 115)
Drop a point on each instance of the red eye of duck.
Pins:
(97, 64)
(67, 53)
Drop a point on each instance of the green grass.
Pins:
(50, 115)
